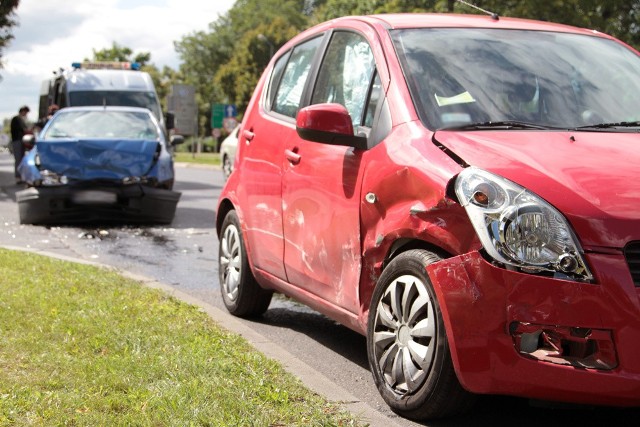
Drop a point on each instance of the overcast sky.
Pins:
(54, 33)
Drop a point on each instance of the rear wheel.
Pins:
(407, 344)
(241, 293)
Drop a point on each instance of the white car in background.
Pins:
(228, 152)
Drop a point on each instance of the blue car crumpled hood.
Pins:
(88, 159)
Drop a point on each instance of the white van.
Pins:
(101, 83)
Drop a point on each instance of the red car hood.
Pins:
(593, 178)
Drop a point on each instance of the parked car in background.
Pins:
(463, 190)
(99, 164)
(228, 150)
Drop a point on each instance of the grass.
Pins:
(200, 158)
(83, 346)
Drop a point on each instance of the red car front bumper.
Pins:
(543, 338)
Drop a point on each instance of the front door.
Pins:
(322, 183)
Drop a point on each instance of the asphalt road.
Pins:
(184, 257)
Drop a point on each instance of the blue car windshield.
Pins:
(103, 124)
(463, 76)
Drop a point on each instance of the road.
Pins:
(184, 256)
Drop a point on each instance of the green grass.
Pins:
(83, 346)
(200, 158)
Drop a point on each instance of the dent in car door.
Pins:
(321, 184)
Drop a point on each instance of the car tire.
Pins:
(241, 293)
(227, 167)
(406, 335)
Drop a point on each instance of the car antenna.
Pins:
(493, 15)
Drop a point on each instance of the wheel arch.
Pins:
(224, 207)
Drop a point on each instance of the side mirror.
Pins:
(328, 124)
(176, 139)
(29, 140)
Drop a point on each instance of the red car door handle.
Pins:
(248, 135)
(292, 156)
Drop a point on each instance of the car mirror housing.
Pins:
(176, 139)
(29, 140)
(328, 124)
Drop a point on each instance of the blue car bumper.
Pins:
(65, 204)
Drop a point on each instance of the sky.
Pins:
(52, 34)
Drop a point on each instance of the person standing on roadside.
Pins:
(18, 129)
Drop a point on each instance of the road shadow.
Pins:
(340, 339)
(489, 410)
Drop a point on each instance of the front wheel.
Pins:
(241, 293)
(407, 345)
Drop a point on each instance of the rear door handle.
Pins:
(292, 156)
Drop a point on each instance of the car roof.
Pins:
(451, 20)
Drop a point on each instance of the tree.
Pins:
(7, 22)
(225, 63)
(119, 53)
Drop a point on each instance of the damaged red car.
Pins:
(463, 190)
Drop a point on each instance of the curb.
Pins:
(311, 378)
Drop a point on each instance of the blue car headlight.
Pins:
(518, 228)
(49, 178)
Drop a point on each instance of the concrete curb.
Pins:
(311, 378)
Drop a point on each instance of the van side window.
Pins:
(289, 94)
(345, 74)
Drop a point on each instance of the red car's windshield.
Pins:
(461, 76)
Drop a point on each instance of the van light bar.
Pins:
(107, 65)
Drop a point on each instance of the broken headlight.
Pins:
(49, 178)
(518, 228)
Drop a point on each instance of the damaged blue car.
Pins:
(99, 164)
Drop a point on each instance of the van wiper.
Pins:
(611, 125)
(503, 124)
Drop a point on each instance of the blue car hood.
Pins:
(87, 159)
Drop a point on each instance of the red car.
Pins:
(463, 190)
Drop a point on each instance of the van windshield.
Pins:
(464, 76)
(119, 98)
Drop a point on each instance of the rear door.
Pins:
(268, 126)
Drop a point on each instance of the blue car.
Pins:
(99, 164)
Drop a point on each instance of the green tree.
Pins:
(7, 22)
(225, 63)
(119, 53)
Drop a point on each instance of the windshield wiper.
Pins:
(611, 125)
(503, 124)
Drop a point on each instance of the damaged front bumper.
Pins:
(540, 337)
(65, 204)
